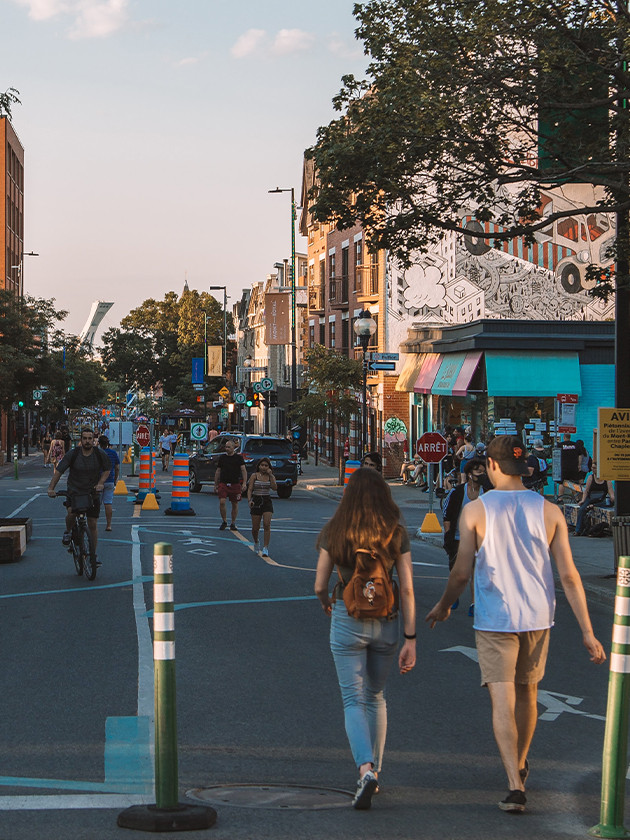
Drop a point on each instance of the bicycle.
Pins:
(81, 541)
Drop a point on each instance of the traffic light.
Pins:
(20, 403)
(273, 399)
(70, 380)
(256, 399)
(249, 402)
(262, 398)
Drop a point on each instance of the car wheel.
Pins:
(285, 492)
(193, 484)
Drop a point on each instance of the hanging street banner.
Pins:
(215, 360)
(613, 443)
(197, 370)
(277, 318)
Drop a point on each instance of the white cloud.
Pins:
(340, 47)
(248, 43)
(91, 18)
(291, 41)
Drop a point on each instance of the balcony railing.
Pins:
(367, 276)
(316, 297)
(338, 291)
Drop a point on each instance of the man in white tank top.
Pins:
(513, 533)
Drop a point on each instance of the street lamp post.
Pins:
(293, 330)
(364, 328)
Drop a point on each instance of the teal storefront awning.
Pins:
(523, 373)
(448, 373)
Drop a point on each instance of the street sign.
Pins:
(381, 366)
(266, 384)
(567, 398)
(143, 435)
(384, 357)
(240, 398)
(224, 392)
(432, 447)
(198, 431)
(613, 444)
(257, 387)
(224, 413)
(37, 395)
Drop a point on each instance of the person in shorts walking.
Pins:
(112, 478)
(230, 479)
(259, 488)
(511, 534)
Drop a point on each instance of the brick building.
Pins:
(11, 226)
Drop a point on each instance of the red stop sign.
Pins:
(143, 436)
(431, 447)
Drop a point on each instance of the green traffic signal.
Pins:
(21, 403)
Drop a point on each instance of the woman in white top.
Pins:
(259, 488)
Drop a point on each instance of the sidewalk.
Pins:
(593, 556)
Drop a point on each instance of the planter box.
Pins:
(17, 533)
(19, 520)
(7, 550)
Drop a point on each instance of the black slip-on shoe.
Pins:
(514, 802)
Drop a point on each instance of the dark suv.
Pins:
(279, 450)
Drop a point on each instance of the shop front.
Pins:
(494, 380)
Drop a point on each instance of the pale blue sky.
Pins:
(153, 130)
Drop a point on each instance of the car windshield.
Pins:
(264, 446)
(218, 445)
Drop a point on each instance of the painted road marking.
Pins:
(67, 801)
(551, 699)
(21, 507)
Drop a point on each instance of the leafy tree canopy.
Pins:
(7, 100)
(476, 105)
(157, 341)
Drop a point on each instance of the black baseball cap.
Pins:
(510, 453)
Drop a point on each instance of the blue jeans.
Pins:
(364, 652)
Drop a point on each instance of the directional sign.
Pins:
(240, 398)
(384, 357)
(381, 365)
(198, 431)
(432, 447)
(224, 413)
(266, 384)
(37, 395)
(224, 392)
(143, 435)
(257, 387)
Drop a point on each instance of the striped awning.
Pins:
(410, 372)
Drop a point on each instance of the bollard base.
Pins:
(183, 818)
(612, 831)
(172, 512)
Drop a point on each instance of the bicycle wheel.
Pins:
(76, 551)
(88, 552)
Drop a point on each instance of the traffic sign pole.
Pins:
(432, 448)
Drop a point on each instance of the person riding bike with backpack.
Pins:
(366, 541)
(538, 468)
(88, 469)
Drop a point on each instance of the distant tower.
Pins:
(99, 310)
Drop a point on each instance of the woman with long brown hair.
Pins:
(366, 521)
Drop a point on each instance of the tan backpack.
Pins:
(371, 592)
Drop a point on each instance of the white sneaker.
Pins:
(265, 552)
(366, 787)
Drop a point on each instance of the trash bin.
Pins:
(621, 538)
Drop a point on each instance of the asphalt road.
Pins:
(258, 702)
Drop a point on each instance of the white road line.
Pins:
(21, 507)
(145, 647)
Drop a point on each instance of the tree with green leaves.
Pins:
(331, 381)
(156, 342)
(9, 98)
(476, 106)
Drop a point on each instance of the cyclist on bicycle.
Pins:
(88, 469)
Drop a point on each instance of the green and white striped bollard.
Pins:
(615, 758)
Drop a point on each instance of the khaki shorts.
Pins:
(512, 657)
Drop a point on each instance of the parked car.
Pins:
(279, 450)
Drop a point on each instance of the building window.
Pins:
(358, 261)
(331, 266)
(322, 334)
(311, 335)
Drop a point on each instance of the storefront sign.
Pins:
(613, 443)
